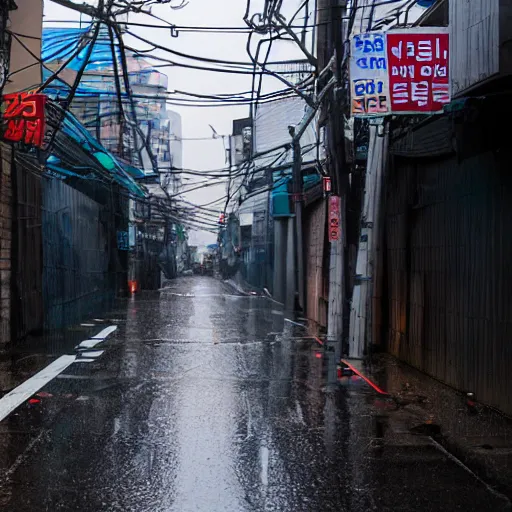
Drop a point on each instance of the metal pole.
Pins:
(298, 198)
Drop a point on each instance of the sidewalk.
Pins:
(479, 437)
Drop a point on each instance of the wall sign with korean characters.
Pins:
(403, 71)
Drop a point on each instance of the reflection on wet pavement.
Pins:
(205, 401)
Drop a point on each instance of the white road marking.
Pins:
(264, 455)
(103, 334)
(294, 323)
(22, 456)
(88, 325)
(24, 391)
(93, 354)
(463, 466)
(89, 343)
(75, 377)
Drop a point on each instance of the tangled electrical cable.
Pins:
(270, 26)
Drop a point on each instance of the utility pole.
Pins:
(294, 245)
(336, 149)
(298, 193)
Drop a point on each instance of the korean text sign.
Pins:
(334, 218)
(23, 118)
(418, 70)
(401, 71)
(369, 74)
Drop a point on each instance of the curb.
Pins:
(475, 463)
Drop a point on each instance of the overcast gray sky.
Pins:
(202, 154)
(209, 154)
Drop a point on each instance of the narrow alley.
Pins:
(204, 400)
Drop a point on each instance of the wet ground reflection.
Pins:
(205, 401)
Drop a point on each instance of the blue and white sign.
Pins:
(369, 74)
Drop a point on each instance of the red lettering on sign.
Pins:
(334, 218)
(418, 71)
(23, 118)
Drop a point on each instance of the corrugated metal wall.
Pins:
(474, 42)
(77, 244)
(449, 270)
(146, 256)
(6, 213)
(27, 302)
(315, 227)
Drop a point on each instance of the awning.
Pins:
(107, 162)
(133, 171)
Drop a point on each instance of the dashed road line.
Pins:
(105, 332)
(24, 391)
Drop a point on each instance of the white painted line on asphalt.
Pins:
(94, 354)
(103, 334)
(74, 377)
(294, 323)
(89, 343)
(84, 360)
(264, 456)
(22, 456)
(24, 391)
(463, 466)
(88, 325)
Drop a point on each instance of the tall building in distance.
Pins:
(108, 115)
(122, 101)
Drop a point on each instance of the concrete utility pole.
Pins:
(365, 316)
(295, 249)
(336, 148)
(298, 193)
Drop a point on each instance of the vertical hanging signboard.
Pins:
(334, 218)
(403, 71)
(369, 74)
(418, 70)
(23, 118)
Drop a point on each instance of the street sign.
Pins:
(334, 218)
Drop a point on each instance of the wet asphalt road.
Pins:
(210, 402)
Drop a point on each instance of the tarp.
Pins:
(280, 195)
(72, 128)
(59, 45)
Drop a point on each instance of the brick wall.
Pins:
(5, 242)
